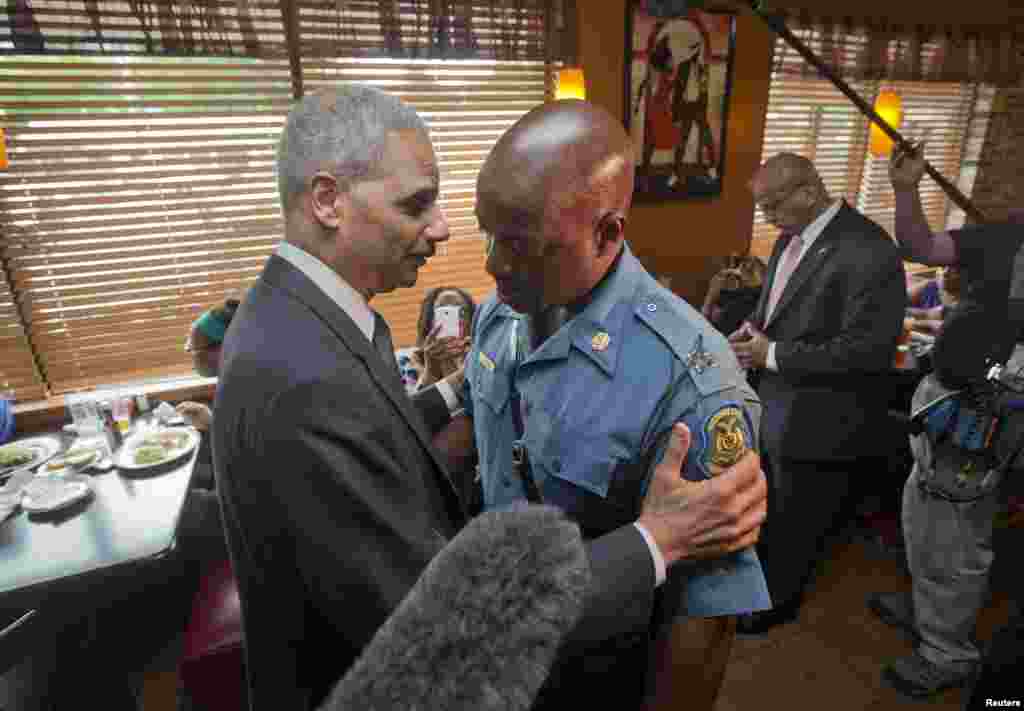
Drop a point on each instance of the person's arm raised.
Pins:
(911, 227)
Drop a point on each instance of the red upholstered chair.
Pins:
(212, 668)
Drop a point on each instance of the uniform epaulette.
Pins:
(670, 321)
(699, 349)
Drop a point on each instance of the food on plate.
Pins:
(79, 457)
(166, 439)
(13, 456)
(150, 454)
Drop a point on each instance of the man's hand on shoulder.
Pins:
(706, 519)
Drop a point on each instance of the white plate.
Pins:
(125, 457)
(54, 496)
(44, 447)
(47, 468)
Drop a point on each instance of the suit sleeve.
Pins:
(357, 524)
(870, 323)
(432, 408)
(620, 600)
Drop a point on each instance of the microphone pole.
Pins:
(777, 23)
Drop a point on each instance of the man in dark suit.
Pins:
(333, 495)
(821, 339)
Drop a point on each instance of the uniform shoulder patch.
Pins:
(726, 439)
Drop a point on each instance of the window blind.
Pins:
(140, 191)
(18, 374)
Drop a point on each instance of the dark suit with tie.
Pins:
(835, 326)
(334, 499)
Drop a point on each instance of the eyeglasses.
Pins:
(774, 205)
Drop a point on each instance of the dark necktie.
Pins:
(382, 342)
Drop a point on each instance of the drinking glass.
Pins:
(121, 408)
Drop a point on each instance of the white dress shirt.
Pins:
(809, 236)
(328, 281)
(348, 299)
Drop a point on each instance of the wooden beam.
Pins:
(290, 17)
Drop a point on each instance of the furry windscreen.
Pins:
(480, 629)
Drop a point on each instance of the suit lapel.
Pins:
(283, 275)
(809, 265)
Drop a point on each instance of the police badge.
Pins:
(725, 439)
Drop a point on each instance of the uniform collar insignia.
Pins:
(699, 360)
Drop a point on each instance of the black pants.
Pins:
(805, 501)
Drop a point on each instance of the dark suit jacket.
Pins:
(334, 499)
(836, 326)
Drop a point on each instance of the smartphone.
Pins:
(449, 320)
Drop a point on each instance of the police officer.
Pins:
(581, 364)
(968, 437)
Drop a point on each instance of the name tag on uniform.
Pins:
(485, 361)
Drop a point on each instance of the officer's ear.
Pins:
(611, 230)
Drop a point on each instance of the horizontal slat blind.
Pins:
(467, 105)
(940, 112)
(478, 29)
(140, 191)
(250, 28)
(17, 369)
(973, 143)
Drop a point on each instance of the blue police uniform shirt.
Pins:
(598, 399)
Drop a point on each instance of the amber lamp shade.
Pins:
(571, 84)
(889, 106)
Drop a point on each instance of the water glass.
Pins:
(85, 414)
(121, 409)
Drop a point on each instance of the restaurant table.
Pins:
(130, 519)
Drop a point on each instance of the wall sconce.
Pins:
(571, 84)
(889, 106)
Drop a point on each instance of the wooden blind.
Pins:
(249, 28)
(943, 113)
(809, 116)
(467, 105)
(17, 367)
(140, 191)
(413, 29)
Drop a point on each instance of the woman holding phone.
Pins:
(443, 333)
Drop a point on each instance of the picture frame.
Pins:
(678, 78)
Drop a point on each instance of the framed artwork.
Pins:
(678, 81)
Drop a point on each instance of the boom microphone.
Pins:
(480, 629)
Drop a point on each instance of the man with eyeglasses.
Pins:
(824, 331)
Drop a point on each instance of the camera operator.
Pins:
(966, 434)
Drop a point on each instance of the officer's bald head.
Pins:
(560, 156)
(560, 181)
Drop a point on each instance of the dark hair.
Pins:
(223, 313)
(226, 311)
(426, 319)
